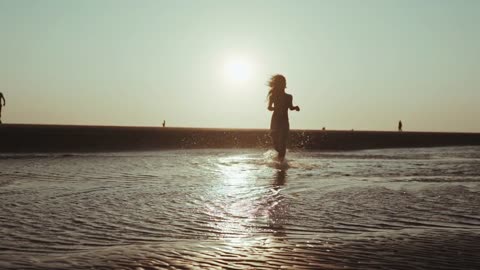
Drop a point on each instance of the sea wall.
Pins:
(17, 138)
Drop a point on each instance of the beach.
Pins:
(224, 135)
(16, 138)
(405, 208)
(106, 197)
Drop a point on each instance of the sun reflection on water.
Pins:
(250, 208)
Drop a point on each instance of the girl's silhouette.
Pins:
(279, 102)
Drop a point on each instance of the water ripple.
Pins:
(237, 209)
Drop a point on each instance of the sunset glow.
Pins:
(361, 65)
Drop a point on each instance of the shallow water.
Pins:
(239, 209)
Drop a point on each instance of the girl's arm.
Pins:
(291, 107)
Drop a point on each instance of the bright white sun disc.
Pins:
(238, 69)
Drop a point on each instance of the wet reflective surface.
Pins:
(238, 209)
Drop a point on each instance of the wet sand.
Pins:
(234, 209)
(64, 138)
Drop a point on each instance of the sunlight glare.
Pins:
(238, 69)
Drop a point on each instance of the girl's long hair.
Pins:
(277, 83)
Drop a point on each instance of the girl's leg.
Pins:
(275, 140)
(282, 144)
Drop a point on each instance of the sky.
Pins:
(360, 65)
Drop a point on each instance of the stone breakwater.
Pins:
(16, 138)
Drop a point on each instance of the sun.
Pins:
(238, 69)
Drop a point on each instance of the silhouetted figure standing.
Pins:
(2, 103)
(279, 102)
(163, 125)
(400, 125)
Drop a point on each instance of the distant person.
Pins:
(163, 123)
(279, 102)
(2, 100)
(400, 125)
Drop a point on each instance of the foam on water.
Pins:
(241, 209)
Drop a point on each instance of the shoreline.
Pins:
(24, 138)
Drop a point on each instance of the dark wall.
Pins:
(55, 138)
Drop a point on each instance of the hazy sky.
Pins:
(349, 64)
